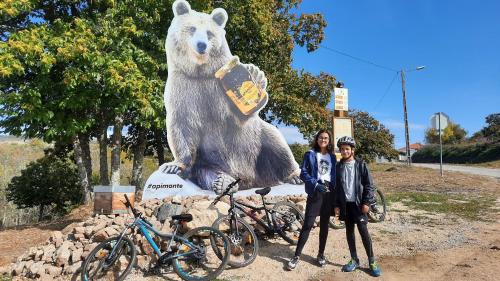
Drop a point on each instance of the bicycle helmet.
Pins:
(346, 140)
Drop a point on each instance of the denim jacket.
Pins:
(309, 172)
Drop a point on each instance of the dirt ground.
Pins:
(411, 244)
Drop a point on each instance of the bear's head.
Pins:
(196, 42)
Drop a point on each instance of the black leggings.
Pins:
(319, 205)
(354, 216)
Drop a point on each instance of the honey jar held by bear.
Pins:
(240, 87)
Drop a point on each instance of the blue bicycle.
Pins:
(200, 254)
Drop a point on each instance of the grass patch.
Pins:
(467, 207)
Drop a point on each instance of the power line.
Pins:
(386, 91)
(358, 59)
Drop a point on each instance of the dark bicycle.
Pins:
(284, 219)
(377, 212)
(190, 254)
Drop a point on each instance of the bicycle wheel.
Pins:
(244, 243)
(101, 265)
(288, 221)
(378, 210)
(198, 260)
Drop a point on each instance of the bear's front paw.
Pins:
(171, 168)
(294, 180)
(257, 75)
(221, 183)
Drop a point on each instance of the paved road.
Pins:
(464, 169)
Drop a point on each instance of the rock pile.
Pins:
(65, 250)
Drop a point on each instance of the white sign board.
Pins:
(342, 127)
(341, 100)
(160, 185)
(435, 119)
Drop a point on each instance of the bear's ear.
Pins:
(219, 15)
(181, 7)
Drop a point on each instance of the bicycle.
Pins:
(378, 209)
(377, 212)
(189, 255)
(284, 219)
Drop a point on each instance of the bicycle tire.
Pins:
(106, 245)
(246, 235)
(184, 266)
(282, 224)
(375, 214)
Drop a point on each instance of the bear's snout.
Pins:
(201, 47)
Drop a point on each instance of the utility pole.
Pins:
(407, 134)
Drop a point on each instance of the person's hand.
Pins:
(364, 209)
(336, 210)
(322, 188)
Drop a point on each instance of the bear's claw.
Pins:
(221, 183)
(170, 168)
(294, 180)
(258, 76)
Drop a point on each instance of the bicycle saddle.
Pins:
(263, 191)
(183, 217)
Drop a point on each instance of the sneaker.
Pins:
(375, 269)
(293, 263)
(351, 265)
(321, 260)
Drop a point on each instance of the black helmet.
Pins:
(346, 140)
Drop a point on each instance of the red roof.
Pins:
(415, 146)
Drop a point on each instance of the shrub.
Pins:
(48, 182)
(298, 151)
(460, 154)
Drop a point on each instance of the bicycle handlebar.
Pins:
(226, 192)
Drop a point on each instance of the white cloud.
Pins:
(292, 134)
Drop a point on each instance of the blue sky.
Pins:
(458, 41)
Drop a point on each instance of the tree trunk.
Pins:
(139, 149)
(87, 159)
(82, 173)
(103, 156)
(116, 150)
(160, 151)
(40, 212)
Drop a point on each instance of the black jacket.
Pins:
(363, 185)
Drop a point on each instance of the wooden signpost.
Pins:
(341, 123)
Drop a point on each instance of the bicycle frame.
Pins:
(247, 210)
(145, 228)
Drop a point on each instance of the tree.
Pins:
(49, 181)
(373, 139)
(492, 129)
(70, 69)
(452, 134)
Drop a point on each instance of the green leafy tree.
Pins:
(49, 181)
(452, 134)
(373, 138)
(69, 69)
(492, 130)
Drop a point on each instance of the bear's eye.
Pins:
(210, 35)
(191, 29)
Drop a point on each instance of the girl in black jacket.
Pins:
(354, 194)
